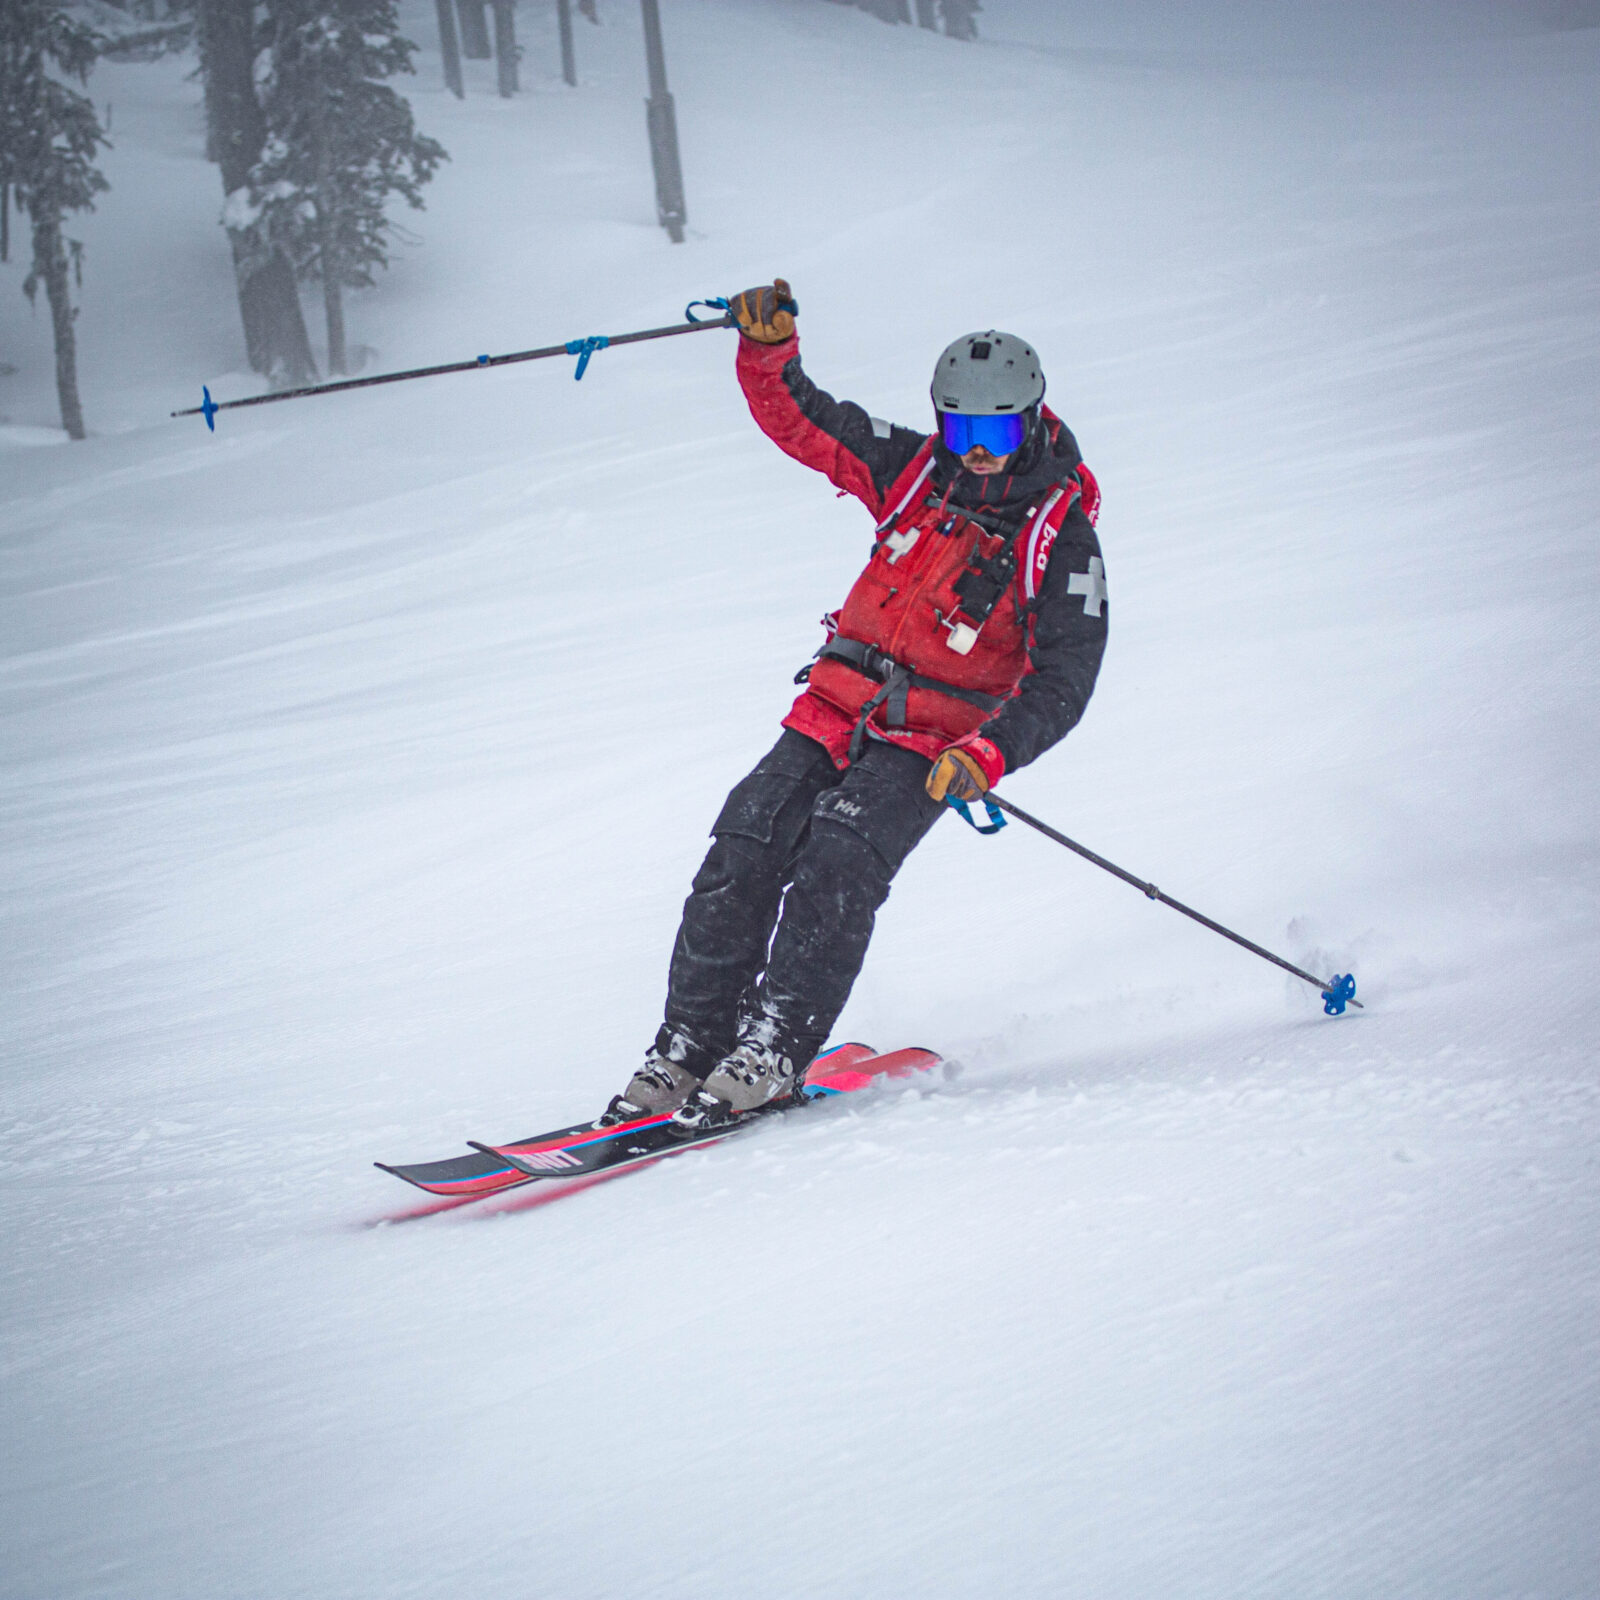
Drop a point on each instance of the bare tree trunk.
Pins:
(474, 30)
(328, 251)
(5, 221)
(50, 262)
(505, 47)
(925, 15)
(333, 304)
(449, 48)
(960, 18)
(661, 123)
(269, 305)
(569, 61)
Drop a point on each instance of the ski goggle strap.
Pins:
(998, 435)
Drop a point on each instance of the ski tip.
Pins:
(852, 1048)
(847, 1073)
(912, 1058)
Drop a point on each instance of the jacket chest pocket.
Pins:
(905, 551)
(919, 548)
(986, 578)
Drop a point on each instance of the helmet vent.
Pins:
(980, 350)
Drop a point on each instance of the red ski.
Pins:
(585, 1151)
(653, 1139)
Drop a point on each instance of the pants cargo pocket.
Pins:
(780, 790)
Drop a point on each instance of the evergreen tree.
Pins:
(339, 143)
(269, 306)
(49, 136)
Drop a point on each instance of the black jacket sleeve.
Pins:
(1069, 639)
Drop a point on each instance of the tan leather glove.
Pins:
(966, 770)
(766, 314)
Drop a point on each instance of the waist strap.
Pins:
(897, 682)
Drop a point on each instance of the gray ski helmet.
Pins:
(987, 374)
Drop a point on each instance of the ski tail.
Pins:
(460, 1177)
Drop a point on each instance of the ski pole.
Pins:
(581, 348)
(1338, 992)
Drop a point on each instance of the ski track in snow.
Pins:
(331, 832)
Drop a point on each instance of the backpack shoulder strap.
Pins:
(916, 473)
(1080, 489)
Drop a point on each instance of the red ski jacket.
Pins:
(983, 605)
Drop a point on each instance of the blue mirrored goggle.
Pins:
(998, 435)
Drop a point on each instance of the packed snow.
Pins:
(356, 760)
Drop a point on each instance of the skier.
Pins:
(968, 647)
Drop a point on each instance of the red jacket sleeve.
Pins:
(858, 453)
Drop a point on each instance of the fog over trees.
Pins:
(317, 148)
(311, 144)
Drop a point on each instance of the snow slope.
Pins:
(356, 760)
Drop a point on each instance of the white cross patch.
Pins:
(1091, 585)
(901, 542)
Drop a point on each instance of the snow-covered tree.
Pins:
(340, 142)
(269, 306)
(49, 136)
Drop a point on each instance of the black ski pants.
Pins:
(778, 920)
